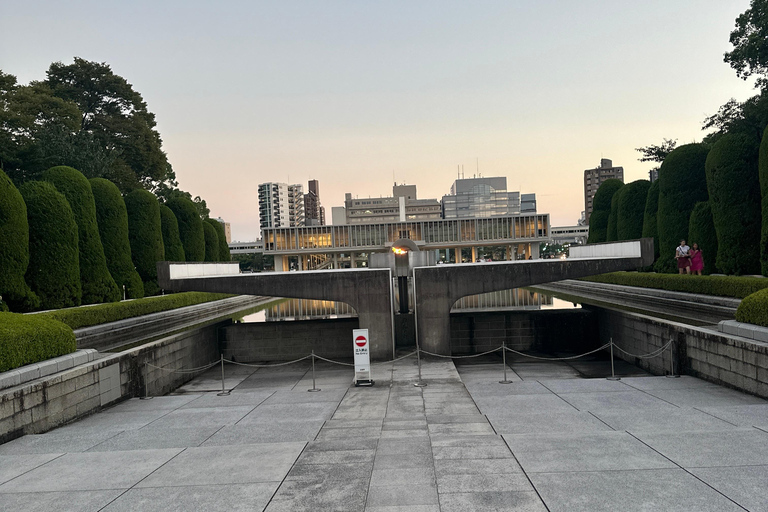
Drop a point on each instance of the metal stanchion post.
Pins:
(420, 383)
(224, 392)
(613, 374)
(314, 388)
(146, 386)
(672, 361)
(504, 362)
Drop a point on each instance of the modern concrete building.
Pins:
(227, 229)
(485, 197)
(593, 178)
(402, 206)
(314, 213)
(569, 234)
(281, 205)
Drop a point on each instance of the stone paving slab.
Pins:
(692, 449)
(231, 497)
(12, 466)
(573, 421)
(742, 415)
(72, 501)
(58, 443)
(743, 484)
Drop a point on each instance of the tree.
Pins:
(116, 115)
(630, 209)
(98, 285)
(750, 43)
(763, 175)
(112, 219)
(611, 234)
(601, 205)
(701, 230)
(211, 242)
(166, 193)
(734, 197)
(174, 251)
(190, 227)
(224, 254)
(145, 235)
(682, 184)
(14, 249)
(650, 229)
(54, 255)
(749, 118)
(657, 153)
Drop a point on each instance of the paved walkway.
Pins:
(551, 440)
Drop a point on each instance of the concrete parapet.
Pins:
(34, 371)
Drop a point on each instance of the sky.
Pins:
(360, 94)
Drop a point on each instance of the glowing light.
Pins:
(398, 250)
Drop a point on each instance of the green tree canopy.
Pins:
(224, 254)
(612, 233)
(14, 248)
(682, 184)
(601, 205)
(112, 219)
(190, 227)
(98, 285)
(763, 175)
(701, 230)
(174, 250)
(54, 269)
(211, 242)
(734, 196)
(631, 209)
(750, 43)
(146, 237)
(657, 153)
(650, 229)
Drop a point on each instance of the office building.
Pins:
(593, 178)
(402, 206)
(485, 197)
(314, 213)
(227, 229)
(281, 205)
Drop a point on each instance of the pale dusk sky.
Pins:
(358, 94)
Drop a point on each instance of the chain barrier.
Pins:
(649, 355)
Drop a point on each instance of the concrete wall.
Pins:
(285, 341)
(721, 358)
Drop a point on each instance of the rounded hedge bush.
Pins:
(211, 242)
(190, 227)
(682, 184)
(14, 249)
(27, 339)
(734, 195)
(701, 230)
(112, 218)
(753, 309)
(174, 251)
(631, 209)
(98, 285)
(54, 256)
(650, 229)
(224, 254)
(763, 175)
(611, 234)
(601, 210)
(145, 236)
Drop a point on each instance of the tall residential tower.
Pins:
(593, 178)
(281, 205)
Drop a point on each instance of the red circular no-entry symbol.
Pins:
(360, 341)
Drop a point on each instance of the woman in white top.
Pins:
(683, 257)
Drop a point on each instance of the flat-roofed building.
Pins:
(281, 205)
(485, 197)
(593, 178)
(403, 205)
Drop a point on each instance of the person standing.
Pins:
(697, 260)
(683, 256)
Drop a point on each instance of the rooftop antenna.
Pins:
(478, 165)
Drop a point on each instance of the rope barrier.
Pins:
(332, 361)
(270, 365)
(558, 358)
(649, 355)
(461, 357)
(396, 359)
(190, 370)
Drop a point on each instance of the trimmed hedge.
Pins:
(174, 251)
(112, 218)
(54, 257)
(14, 248)
(27, 339)
(754, 309)
(224, 254)
(190, 227)
(763, 175)
(612, 234)
(601, 205)
(145, 236)
(103, 313)
(650, 229)
(734, 195)
(682, 184)
(631, 209)
(701, 230)
(97, 282)
(723, 286)
(211, 242)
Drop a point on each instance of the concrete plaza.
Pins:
(551, 440)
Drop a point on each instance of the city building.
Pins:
(485, 197)
(281, 205)
(593, 178)
(227, 229)
(653, 174)
(314, 213)
(402, 206)
(569, 234)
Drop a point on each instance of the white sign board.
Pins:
(361, 346)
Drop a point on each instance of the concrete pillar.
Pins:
(335, 261)
(535, 250)
(352, 260)
(279, 263)
(457, 254)
(508, 253)
(474, 254)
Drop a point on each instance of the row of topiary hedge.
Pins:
(112, 312)
(724, 286)
(754, 308)
(27, 339)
